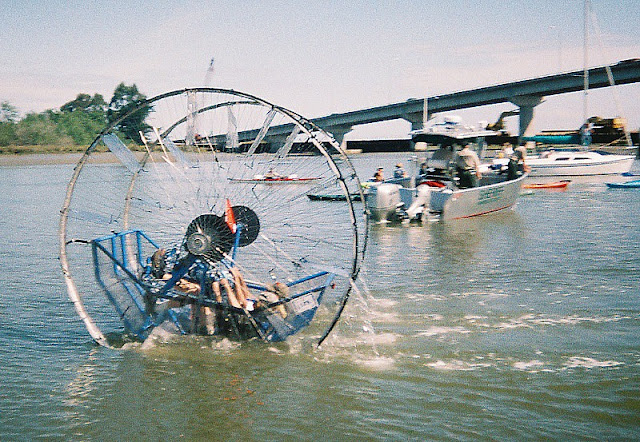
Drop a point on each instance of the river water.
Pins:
(519, 325)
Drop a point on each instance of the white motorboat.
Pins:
(392, 202)
(436, 191)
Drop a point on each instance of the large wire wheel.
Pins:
(174, 174)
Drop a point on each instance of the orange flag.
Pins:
(229, 217)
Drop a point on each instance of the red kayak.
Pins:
(555, 185)
(281, 179)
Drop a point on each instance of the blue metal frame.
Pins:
(118, 268)
(262, 320)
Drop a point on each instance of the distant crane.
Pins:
(209, 75)
(232, 126)
(191, 135)
(499, 124)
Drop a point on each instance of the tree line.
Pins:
(77, 122)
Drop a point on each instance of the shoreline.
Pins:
(71, 158)
(39, 159)
(50, 158)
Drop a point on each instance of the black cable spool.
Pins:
(250, 224)
(208, 236)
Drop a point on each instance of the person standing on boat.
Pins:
(441, 158)
(468, 167)
(507, 151)
(517, 163)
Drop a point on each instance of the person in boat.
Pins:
(424, 167)
(507, 151)
(467, 167)
(378, 176)
(399, 171)
(228, 288)
(202, 318)
(517, 163)
(272, 174)
(441, 158)
(236, 298)
(273, 293)
(585, 133)
(158, 271)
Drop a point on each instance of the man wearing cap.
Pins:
(468, 167)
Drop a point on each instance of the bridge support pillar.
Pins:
(275, 142)
(417, 122)
(339, 132)
(526, 103)
(417, 125)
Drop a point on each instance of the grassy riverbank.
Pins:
(51, 154)
(41, 149)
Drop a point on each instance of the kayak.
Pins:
(555, 185)
(628, 185)
(283, 179)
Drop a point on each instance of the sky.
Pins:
(317, 58)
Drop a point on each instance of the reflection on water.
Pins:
(522, 324)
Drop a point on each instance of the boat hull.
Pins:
(476, 201)
(391, 202)
(555, 185)
(574, 166)
(628, 185)
(332, 196)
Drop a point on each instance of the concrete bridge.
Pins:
(525, 94)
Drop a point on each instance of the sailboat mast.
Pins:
(586, 61)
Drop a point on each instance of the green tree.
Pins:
(8, 117)
(81, 119)
(125, 99)
(38, 129)
(81, 127)
(8, 113)
(86, 103)
(7, 134)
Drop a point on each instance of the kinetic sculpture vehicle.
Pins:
(158, 231)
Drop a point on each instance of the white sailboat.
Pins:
(580, 162)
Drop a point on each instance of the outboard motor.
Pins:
(383, 202)
(421, 203)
